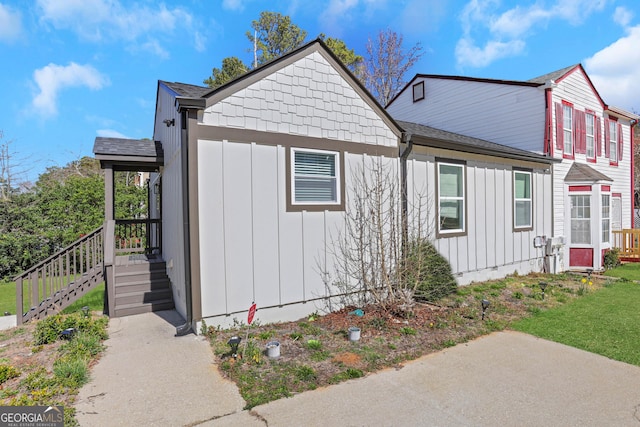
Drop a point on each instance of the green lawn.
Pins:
(605, 322)
(94, 299)
(630, 271)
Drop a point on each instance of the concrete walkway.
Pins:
(149, 377)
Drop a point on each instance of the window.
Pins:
(606, 218)
(581, 219)
(590, 135)
(613, 142)
(451, 198)
(567, 126)
(315, 177)
(522, 204)
(418, 91)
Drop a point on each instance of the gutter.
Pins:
(632, 125)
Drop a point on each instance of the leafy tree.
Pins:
(275, 36)
(348, 56)
(386, 64)
(232, 68)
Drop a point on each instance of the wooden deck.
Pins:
(628, 242)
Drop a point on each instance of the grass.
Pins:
(630, 271)
(94, 299)
(606, 322)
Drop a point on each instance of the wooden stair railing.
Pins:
(55, 283)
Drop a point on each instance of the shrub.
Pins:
(8, 372)
(612, 258)
(429, 272)
(71, 371)
(49, 329)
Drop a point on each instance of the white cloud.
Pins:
(505, 33)
(110, 133)
(622, 16)
(109, 20)
(10, 23)
(54, 78)
(236, 5)
(336, 15)
(615, 73)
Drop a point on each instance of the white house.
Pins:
(559, 115)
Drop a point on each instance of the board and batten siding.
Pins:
(490, 249)
(252, 248)
(506, 114)
(172, 218)
(309, 98)
(576, 89)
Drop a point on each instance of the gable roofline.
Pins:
(463, 78)
(214, 96)
(432, 137)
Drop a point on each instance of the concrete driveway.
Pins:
(149, 377)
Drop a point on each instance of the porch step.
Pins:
(141, 286)
(131, 309)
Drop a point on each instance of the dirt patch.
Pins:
(316, 351)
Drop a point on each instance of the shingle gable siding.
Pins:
(308, 97)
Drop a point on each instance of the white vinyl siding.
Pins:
(581, 219)
(522, 204)
(606, 218)
(451, 201)
(315, 178)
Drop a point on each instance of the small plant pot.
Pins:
(273, 349)
(354, 333)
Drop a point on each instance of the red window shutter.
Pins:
(606, 138)
(559, 128)
(580, 131)
(620, 144)
(598, 136)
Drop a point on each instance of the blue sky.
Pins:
(76, 69)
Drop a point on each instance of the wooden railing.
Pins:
(628, 242)
(138, 235)
(61, 279)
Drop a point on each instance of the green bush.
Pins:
(7, 372)
(612, 258)
(429, 271)
(71, 371)
(49, 329)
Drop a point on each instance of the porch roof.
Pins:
(580, 172)
(122, 152)
(438, 138)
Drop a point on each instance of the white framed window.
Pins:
(567, 127)
(522, 200)
(606, 218)
(315, 178)
(613, 141)
(580, 219)
(451, 198)
(590, 133)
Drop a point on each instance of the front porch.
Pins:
(628, 243)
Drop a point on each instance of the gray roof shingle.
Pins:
(554, 75)
(456, 141)
(580, 172)
(127, 147)
(187, 90)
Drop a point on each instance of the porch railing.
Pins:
(628, 242)
(61, 279)
(138, 235)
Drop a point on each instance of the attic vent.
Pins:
(418, 91)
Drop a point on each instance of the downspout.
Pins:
(406, 137)
(184, 164)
